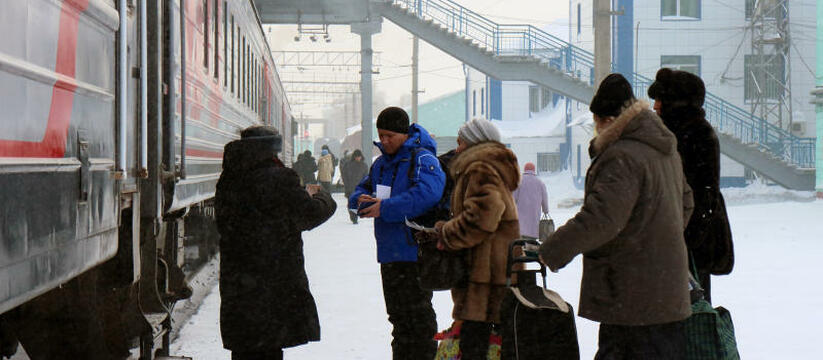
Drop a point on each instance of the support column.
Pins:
(819, 103)
(415, 91)
(602, 40)
(366, 30)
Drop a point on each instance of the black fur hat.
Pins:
(393, 119)
(612, 96)
(264, 134)
(676, 86)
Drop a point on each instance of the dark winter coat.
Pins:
(485, 222)
(261, 211)
(352, 172)
(708, 234)
(306, 166)
(630, 228)
(413, 192)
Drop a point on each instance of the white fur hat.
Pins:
(478, 131)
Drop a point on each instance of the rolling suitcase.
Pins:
(536, 323)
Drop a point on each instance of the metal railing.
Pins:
(529, 41)
(744, 126)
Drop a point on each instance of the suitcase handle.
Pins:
(529, 257)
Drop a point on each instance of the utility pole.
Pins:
(415, 50)
(366, 30)
(602, 40)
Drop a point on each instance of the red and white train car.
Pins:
(100, 194)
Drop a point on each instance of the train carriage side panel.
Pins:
(215, 113)
(58, 202)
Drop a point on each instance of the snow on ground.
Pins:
(773, 293)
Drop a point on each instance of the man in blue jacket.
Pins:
(403, 183)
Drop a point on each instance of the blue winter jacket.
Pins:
(412, 193)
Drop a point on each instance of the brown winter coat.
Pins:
(485, 221)
(630, 228)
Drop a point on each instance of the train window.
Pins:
(244, 67)
(225, 44)
(241, 65)
(256, 84)
(237, 54)
(244, 82)
(233, 50)
(248, 74)
(216, 15)
(206, 34)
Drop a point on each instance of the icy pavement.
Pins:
(773, 294)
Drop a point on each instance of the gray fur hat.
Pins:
(478, 131)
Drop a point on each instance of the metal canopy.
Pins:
(312, 11)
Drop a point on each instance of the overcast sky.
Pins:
(440, 74)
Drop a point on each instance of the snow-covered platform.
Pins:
(773, 293)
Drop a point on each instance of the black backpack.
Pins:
(441, 210)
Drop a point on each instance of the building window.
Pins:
(482, 101)
(689, 63)
(768, 9)
(545, 97)
(578, 19)
(679, 9)
(549, 162)
(534, 99)
(765, 76)
(474, 102)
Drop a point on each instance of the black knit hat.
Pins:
(672, 86)
(393, 119)
(263, 134)
(612, 95)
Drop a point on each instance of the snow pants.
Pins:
(410, 312)
(474, 340)
(663, 341)
(272, 355)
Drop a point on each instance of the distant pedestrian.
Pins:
(261, 209)
(531, 197)
(484, 224)
(305, 166)
(392, 192)
(325, 169)
(352, 172)
(678, 99)
(334, 160)
(630, 231)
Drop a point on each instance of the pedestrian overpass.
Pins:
(526, 53)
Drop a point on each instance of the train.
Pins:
(113, 119)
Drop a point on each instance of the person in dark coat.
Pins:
(630, 231)
(306, 166)
(261, 211)
(393, 191)
(353, 170)
(678, 99)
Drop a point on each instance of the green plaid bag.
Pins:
(709, 331)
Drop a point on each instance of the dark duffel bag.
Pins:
(438, 269)
(536, 323)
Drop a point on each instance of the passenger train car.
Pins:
(113, 118)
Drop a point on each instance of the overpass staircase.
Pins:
(523, 52)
